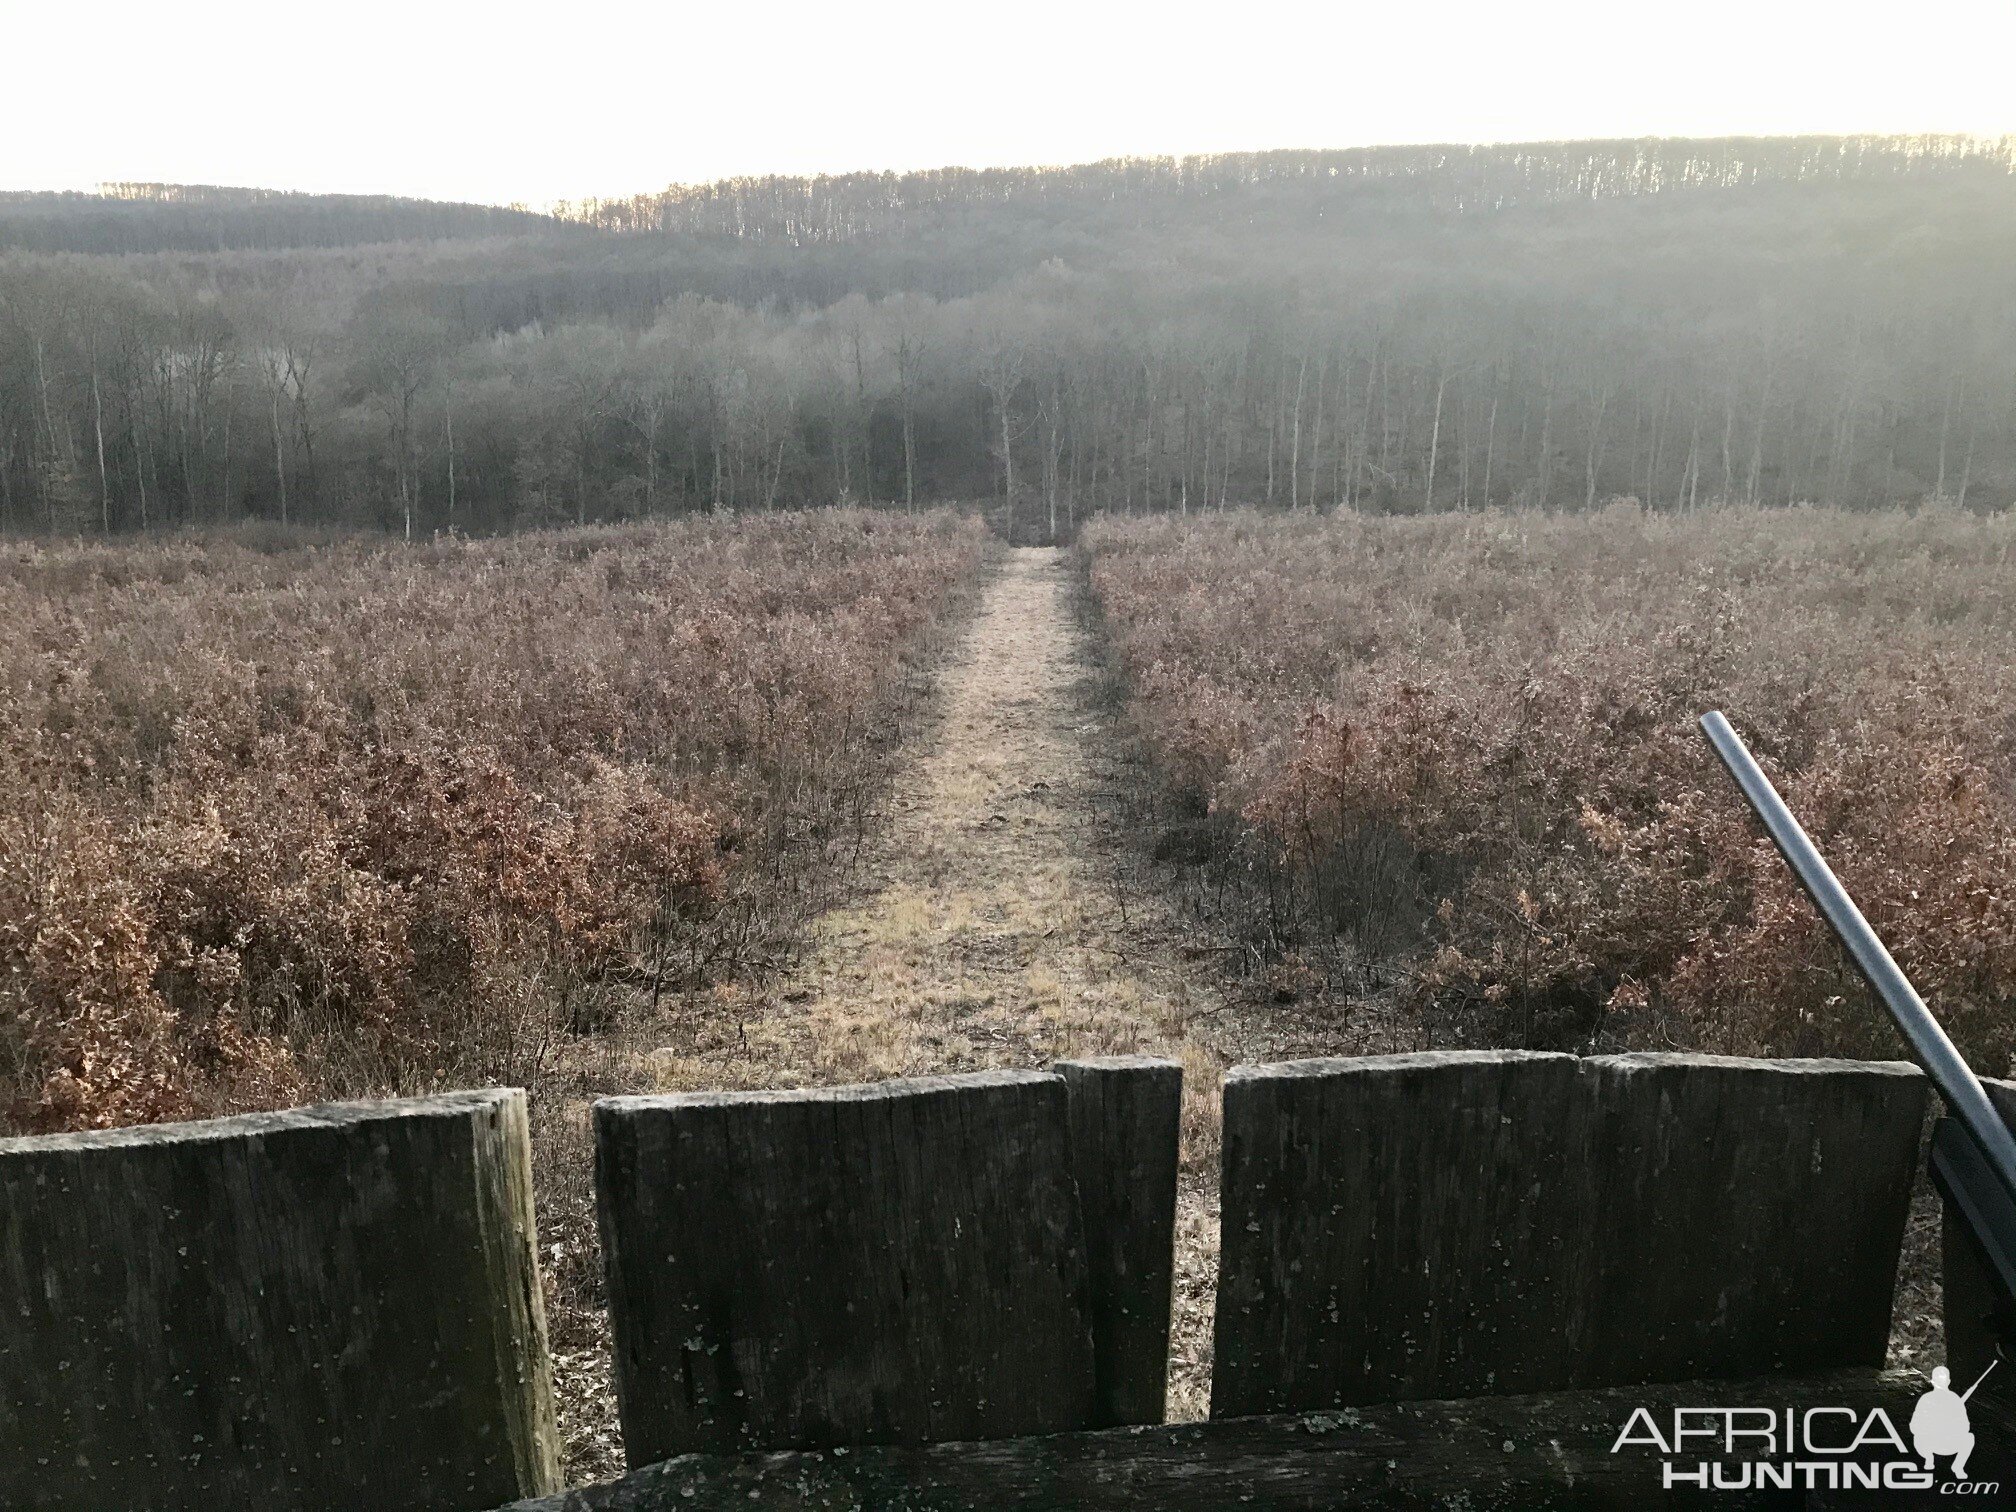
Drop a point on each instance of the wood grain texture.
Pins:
(1396, 1227)
(330, 1307)
(1442, 1225)
(1126, 1113)
(1747, 1214)
(896, 1263)
(1491, 1454)
(1970, 1296)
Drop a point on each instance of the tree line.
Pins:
(212, 218)
(1458, 177)
(1824, 319)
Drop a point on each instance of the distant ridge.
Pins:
(802, 210)
(1448, 176)
(136, 217)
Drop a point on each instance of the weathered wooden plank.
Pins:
(1490, 1454)
(1747, 1214)
(901, 1262)
(1397, 1227)
(1126, 1115)
(1970, 1297)
(334, 1306)
(1442, 1225)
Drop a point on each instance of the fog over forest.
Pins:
(1828, 319)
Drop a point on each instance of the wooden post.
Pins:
(1409, 1227)
(1747, 1213)
(334, 1306)
(1970, 1295)
(896, 1263)
(1126, 1114)
(1395, 1228)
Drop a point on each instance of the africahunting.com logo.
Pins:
(1825, 1448)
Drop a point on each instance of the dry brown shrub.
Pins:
(1464, 746)
(352, 817)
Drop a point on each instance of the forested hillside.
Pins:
(1815, 318)
(207, 218)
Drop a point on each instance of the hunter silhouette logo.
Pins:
(1939, 1424)
(1814, 1446)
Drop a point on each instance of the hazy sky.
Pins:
(508, 102)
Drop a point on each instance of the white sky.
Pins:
(571, 98)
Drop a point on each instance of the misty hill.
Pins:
(208, 218)
(1551, 324)
(1283, 185)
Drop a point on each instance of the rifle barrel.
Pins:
(1966, 1099)
(1979, 1379)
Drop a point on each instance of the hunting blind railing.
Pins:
(1444, 1279)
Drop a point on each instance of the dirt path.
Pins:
(1002, 921)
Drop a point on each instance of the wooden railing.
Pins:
(957, 1286)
